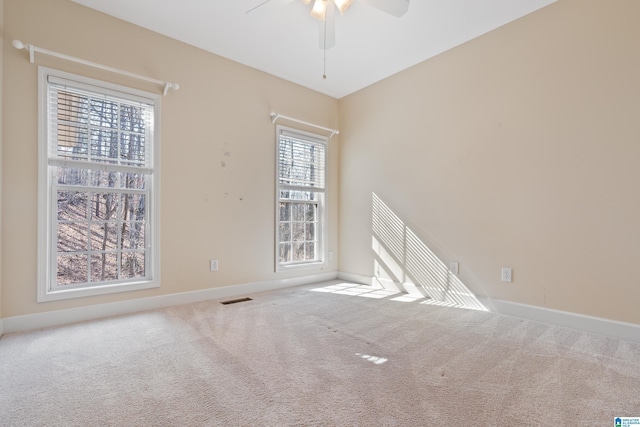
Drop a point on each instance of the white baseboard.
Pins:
(612, 328)
(596, 325)
(355, 278)
(62, 317)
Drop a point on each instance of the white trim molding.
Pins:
(50, 83)
(49, 319)
(595, 325)
(356, 278)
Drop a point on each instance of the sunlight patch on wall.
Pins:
(404, 263)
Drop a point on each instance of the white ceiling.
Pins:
(370, 45)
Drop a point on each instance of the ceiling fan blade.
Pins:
(393, 7)
(262, 6)
(327, 28)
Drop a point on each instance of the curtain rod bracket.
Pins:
(167, 86)
(275, 116)
(33, 49)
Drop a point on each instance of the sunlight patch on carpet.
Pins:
(408, 298)
(375, 359)
(351, 289)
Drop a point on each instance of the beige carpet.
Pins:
(299, 357)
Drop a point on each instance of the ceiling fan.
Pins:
(324, 12)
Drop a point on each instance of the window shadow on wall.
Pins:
(403, 262)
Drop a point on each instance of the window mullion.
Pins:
(87, 188)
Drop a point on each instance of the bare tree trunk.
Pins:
(97, 215)
(124, 221)
(105, 237)
(110, 209)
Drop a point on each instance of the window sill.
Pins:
(301, 266)
(64, 294)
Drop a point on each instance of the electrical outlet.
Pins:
(213, 265)
(506, 274)
(454, 267)
(330, 255)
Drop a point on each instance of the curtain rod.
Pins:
(33, 49)
(276, 116)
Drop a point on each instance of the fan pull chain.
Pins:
(324, 50)
(324, 71)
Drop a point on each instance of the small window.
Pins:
(98, 149)
(300, 197)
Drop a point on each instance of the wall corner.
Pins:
(1, 133)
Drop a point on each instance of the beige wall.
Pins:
(519, 148)
(222, 107)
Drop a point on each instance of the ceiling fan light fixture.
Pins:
(343, 5)
(319, 9)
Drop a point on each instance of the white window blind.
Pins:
(301, 162)
(98, 130)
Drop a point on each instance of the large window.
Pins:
(98, 149)
(300, 197)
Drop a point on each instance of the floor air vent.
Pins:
(235, 301)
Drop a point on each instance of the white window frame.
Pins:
(321, 231)
(47, 200)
